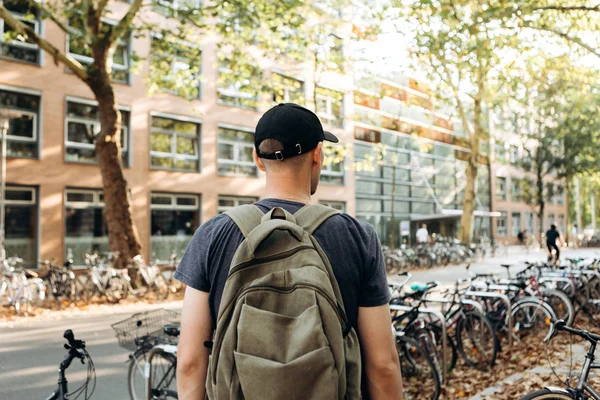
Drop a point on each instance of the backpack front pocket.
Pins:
(312, 376)
(277, 337)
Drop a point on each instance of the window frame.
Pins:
(176, 58)
(35, 203)
(512, 219)
(236, 150)
(97, 202)
(125, 129)
(174, 135)
(235, 199)
(38, 23)
(502, 231)
(327, 171)
(37, 121)
(115, 67)
(328, 116)
(174, 206)
(504, 192)
(286, 89)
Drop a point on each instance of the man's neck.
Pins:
(286, 189)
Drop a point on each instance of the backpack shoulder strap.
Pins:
(246, 217)
(311, 216)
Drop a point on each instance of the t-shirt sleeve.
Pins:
(374, 288)
(193, 268)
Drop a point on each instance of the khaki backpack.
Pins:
(282, 331)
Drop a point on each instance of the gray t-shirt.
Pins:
(351, 246)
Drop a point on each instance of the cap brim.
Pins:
(330, 137)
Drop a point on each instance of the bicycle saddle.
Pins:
(507, 266)
(30, 274)
(172, 330)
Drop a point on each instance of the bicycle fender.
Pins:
(557, 390)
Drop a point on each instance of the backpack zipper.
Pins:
(275, 257)
(340, 314)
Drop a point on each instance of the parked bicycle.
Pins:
(76, 349)
(582, 390)
(147, 333)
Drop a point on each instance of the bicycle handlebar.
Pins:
(560, 325)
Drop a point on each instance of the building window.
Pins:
(530, 222)
(175, 144)
(560, 195)
(78, 48)
(513, 153)
(22, 136)
(561, 223)
(515, 190)
(502, 224)
(228, 202)
(501, 189)
(235, 152)
(170, 7)
(550, 196)
(500, 151)
(239, 85)
(332, 170)
(288, 90)
(338, 205)
(86, 230)
(330, 106)
(83, 125)
(551, 220)
(175, 68)
(16, 46)
(21, 224)
(174, 219)
(515, 223)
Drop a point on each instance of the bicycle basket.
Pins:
(145, 329)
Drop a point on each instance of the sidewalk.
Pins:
(535, 378)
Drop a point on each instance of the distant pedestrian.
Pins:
(522, 236)
(422, 235)
(552, 237)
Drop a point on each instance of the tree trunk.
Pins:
(467, 218)
(122, 234)
(466, 222)
(540, 196)
(567, 195)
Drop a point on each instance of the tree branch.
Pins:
(459, 105)
(125, 22)
(46, 13)
(595, 8)
(565, 36)
(23, 29)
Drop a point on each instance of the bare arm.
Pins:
(192, 355)
(381, 364)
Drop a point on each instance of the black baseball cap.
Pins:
(295, 127)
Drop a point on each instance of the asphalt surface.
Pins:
(31, 348)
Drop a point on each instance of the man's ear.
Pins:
(317, 154)
(258, 161)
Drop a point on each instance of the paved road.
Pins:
(516, 256)
(31, 348)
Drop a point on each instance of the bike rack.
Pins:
(506, 301)
(557, 279)
(162, 348)
(442, 320)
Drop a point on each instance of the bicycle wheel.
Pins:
(164, 386)
(531, 316)
(476, 341)
(560, 304)
(546, 394)
(420, 378)
(451, 351)
(116, 289)
(160, 287)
